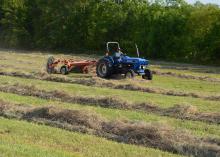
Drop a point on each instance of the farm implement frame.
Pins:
(64, 66)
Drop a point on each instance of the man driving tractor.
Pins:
(118, 53)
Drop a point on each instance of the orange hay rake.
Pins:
(64, 66)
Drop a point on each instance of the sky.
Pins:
(205, 1)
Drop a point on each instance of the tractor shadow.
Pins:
(121, 77)
(117, 77)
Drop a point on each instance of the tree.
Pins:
(164, 29)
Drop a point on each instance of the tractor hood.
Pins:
(133, 60)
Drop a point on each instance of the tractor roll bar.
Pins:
(112, 42)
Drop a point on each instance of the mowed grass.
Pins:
(30, 62)
(25, 150)
(132, 96)
(198, 72)
(22, 139)
(185, 85)
(195, 70)
(197, 128)
(35, 62)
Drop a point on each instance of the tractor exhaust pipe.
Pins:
(138, 53)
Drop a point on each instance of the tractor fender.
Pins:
(109, 59)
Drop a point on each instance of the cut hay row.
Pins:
(186, 76)
(178, 111)
(138, 133)
(96, 82)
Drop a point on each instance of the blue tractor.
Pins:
(115, 62)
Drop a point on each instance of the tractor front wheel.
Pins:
(64, 70)
(103, 69)
(148, 75)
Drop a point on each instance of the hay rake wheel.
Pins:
(49, 67)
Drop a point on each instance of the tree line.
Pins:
(163, 29)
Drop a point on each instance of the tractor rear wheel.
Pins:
(49, 67)
(130, 74)
(64, 70)
(148, 75)
(103, 69)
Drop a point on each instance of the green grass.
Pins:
(36, 62)
(11, 149)
(197, 128)
(185, 85)
(31, 62)
(21, 139)
(199, 69)
(193, 72)
(133, 96)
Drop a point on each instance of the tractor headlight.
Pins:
(142, 67)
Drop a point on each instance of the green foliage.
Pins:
(171, 30)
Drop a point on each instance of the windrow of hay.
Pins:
(186, 76)
(187, 112)
(139, 133)
(94, 81)
(18, 74)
